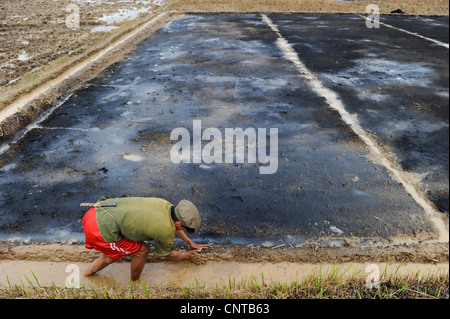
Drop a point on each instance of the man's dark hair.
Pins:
(172, 213)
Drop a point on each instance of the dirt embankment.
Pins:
(423, 253)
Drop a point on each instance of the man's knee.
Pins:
(107, 260)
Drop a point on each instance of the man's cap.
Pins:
(188, 214)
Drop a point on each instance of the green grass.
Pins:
(319, 284)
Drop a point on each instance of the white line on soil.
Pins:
(351, 120)
(443, 44)
(34, 125)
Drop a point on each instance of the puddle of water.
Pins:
(103, 28)
(123, 15)
(8, 167)
(133, 158)
(336, 230)
(23, 57)
(50, 235)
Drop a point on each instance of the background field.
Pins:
(411, 7)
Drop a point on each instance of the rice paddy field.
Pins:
(129, 63)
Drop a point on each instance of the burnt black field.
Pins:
(112, 138)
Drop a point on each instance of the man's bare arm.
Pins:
(182, 255)
(182, 235)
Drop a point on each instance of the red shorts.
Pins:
(94, 240)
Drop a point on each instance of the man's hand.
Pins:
(181, 234)
(190, 255)
(179, 255)
(197, 247)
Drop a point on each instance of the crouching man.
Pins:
(123, 229)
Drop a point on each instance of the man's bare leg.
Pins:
(138, 261)
(98, 265)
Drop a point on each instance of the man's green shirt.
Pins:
(138, 219)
